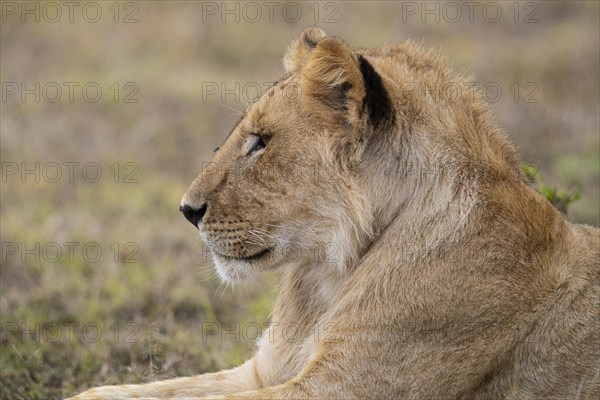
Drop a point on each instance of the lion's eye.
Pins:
(257, 143)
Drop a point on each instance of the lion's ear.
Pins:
(343, 90)
(332, 84)
(300, 49)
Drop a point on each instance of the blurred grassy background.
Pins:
(170, 55)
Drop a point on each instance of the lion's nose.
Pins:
(194, 215)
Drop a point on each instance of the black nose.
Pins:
(192, 214)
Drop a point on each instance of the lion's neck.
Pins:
(420, 187)
(429, 186)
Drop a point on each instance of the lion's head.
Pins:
(309, 174)
(282, 188)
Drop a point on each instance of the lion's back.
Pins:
(561, 356)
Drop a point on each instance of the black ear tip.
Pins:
(310, 42)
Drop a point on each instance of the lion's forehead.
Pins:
(283, 93)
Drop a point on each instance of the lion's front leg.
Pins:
(287, 391)
(234, 380)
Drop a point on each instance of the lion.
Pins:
(424, 266)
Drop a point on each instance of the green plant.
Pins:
(560, 198)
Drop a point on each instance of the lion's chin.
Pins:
(235, 270)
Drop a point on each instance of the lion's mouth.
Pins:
(250, 258)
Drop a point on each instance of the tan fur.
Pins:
(427, 268)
